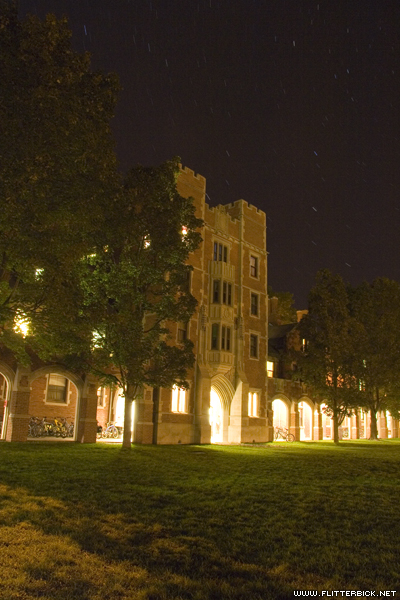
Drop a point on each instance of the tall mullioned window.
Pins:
(227, 293)
(220, 252)
(253, 404)
(178, 400)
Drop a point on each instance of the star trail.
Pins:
(293, 106)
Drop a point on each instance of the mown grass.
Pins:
(91, 522)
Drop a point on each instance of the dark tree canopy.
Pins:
(57, 160)
(327, 362)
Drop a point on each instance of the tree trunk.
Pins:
(335, 420)
(126, 441)
(374, 425)
(156, 405)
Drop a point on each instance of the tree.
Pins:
(327, 362)
(376, 307)
(130, 290)
(286, 312)
(57, 161)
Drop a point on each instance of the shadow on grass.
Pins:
(189, 522)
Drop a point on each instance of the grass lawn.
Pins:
(197, 522)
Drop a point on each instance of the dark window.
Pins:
(254, 266)
(227, 293)
(220, 252)
(57, 389)
(254, 304)
(216, 290)
(214, 336)
(225, 338)
(182, 332)
(253, 345)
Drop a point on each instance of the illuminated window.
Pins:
(146, 241)
(270, 368)
(101, 397)
(253, 345)
(253, 404)
(220, 252)
(57, 388)
(178, 400)
(254, 266)
(254, 304)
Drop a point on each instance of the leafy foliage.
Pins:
(328, 362)
(57, 160)
(128, 292)
(376, 307)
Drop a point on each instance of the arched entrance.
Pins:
(305, 421)
(7, 377)
(53, 404)
(281, 413)
(221, 395)
(216, 417)
(111, 410)
(4, 402)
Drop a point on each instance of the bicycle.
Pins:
(283, 434)
(111, 431)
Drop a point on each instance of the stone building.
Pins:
(293, 404)
(227, 401)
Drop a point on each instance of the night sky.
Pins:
(291, 105)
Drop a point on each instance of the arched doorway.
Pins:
(216, 418)
(305, 421)
(281, 414)
(4, 395)
(53, 405)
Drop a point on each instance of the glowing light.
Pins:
(21, 326)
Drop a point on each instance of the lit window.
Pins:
(178, 400)
(253, 345)
(101, 397)
(254, 305)
(57, 387)
(270, 368)
(146, 241)
(254, 266)
(253, 404)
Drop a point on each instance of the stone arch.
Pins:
(279, 419)
(41, 407)
(221, 395)
(306, 418)
(9, 377)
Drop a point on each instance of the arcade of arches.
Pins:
(307, 421)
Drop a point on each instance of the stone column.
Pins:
(18, 419)
(318, 430)
(355, 426)
(86, 421)
(295, 420)
(382, 425)
(395, 428)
